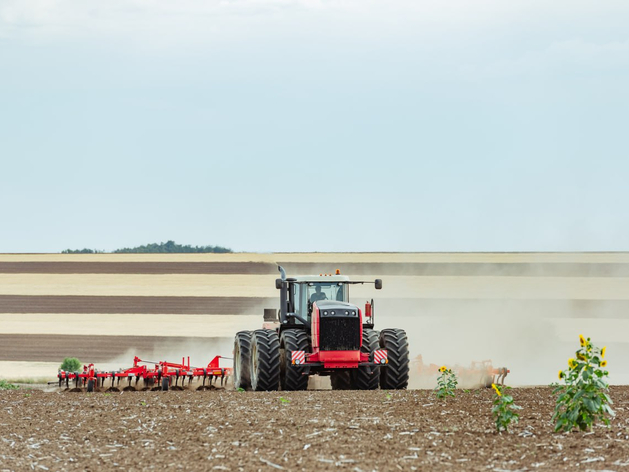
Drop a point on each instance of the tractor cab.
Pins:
(299, 295)
(303, 292)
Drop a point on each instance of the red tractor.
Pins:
(320, 333)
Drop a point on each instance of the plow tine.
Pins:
(92, 378)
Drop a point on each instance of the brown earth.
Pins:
(547, 269)
(315, 430)
(131, 304)
(95, 349)
(252, 305)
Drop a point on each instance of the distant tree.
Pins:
(172, 247)
(81, 251)
(169, 247)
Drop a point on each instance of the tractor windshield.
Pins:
(327, 291)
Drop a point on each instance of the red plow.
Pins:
(154, 375)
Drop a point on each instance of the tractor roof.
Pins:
(322, 278)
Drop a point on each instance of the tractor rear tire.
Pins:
(165, 384)
(242, 353)
(394, 376)
(292, 376)
(90, 385)
(265, 360)
(341, 380)
(367, 378)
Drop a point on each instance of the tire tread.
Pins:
(395, 375)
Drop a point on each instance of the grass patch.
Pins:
(5, 385)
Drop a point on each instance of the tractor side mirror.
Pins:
(378, 284)
(278, 283)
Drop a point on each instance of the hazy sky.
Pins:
(357, 125)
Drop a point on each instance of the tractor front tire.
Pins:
(90, 385)
(394, 376)
(367, 378)
(242, 353)
(265, 360)
(165, 384)
(292, 376)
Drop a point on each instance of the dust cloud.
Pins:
(529, 334)
(533, 337)
(200, 351)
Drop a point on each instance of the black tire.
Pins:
(367, 378)
(242, 353)
(394, 376)
(265, 360)
(165, 384)
(291, 376)
(90, 385)
(341, 380)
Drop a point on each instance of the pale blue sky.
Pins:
(315, 125)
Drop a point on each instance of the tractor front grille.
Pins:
(339, 334)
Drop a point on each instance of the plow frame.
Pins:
(161, 372)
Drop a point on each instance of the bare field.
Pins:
(245, 286)
(319, 430)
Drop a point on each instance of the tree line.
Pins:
(155, 248)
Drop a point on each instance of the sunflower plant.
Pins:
(446, 383)
(503, 410)
(583, 396)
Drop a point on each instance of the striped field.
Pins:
(522, 310)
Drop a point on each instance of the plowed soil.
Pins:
(549, 269)
(314, 430)
(51, 348)
(131, 305)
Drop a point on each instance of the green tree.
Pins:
(171, 247)
(71, 364)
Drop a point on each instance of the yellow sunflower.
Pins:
(604, 364)
(581, 340)
(443, 368)
(560, 374)
(572, 363)
(496, 389)
(603, 352)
